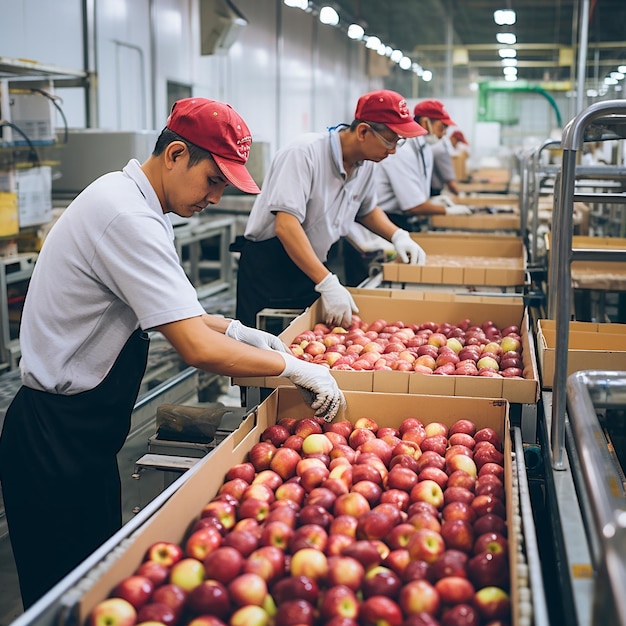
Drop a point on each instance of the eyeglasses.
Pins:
(390, 145)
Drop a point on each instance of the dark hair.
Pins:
(167, 136)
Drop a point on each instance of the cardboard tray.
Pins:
(458, 259)
(478, 221)
(419, 307)
(591, 346)
(199, 484)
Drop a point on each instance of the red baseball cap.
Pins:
(457, 134)
(388, 108)
(219, 129)
(433, 110)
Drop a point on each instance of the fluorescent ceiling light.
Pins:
(355, 31)
(396, 55)
(382, 49)
(427, 76)
(405, 63)
(504, 17)
(622, 69)
(297, 4)
(506, 38)
(329, 16)
(507, 53)
(610, 81)
(510, 77)
(372, 42)
(509, 62)
(509, 71)
(616, 75)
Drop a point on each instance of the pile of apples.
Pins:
(463, 349)
(338, 524)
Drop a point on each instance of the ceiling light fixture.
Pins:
(509, 71)
(297, 4)
(617, 75)
(372, 42)
(427, 76)
(610, 81)
(356, 32)
(329, 16)
(396, 55)
(507, 53)
(405, 63)
(510, 77)
(622, 69)
(507, 39)
(504, 17)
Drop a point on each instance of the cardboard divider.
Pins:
(478, 221)
(202, 482)
(590, 346)
(419, 307)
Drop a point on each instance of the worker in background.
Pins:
(444, 176)
(314, 190)
(459, 143)
(107, 273)
(404, 179)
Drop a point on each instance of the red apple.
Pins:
(224, 511)
(455, 590)
(435, 474)
(342, 427)
(247, 588)
(419, 596)
(436, 443)
(276, 434)
(422, 506)
(339, 600)
(401, 478)
(399, 535)
(323, 496)
(244, 541)
(381, 581)
(113, 612)
(245, 471)
(165, 552)
(209, 597)
(492, 468)
(370, 490)
(374, 525)
(315, 514)
(430, 458)
(295, 613)
(345, 570)
(170, 595)
(400, 499)
(295, 588)
(460, 478)
(234, 487)
(254, 508)
(458, 510)
(428, 491)
(290, 491)
(267, 477)
(491, 542)
(380, 611)
(488, 569)
(352, 503)
(488, 504)
(250, 615)
(492, 603)
(365, 552)
(336, 544)
(156, 572)
(156, 613)
(224, 564)
(490, 435)
(260, 455)
(306, 426)
(422, 519)
(277, 534)
(460, 615)
(135, 589)
(458, 494)
(457, 534)
(266, 561)
(309, 562)
(294, 442)
(449, 563)
(426, 545)
(490, 523)
(397, 560)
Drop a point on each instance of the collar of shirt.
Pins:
(337, 153)
(135, 173)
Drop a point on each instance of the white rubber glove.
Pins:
(458, 209)
(317, 386)
(408, 250)
(337, 302)
(254, 337)
(441, 200)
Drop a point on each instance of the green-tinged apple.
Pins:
(399, 535)
(339, 600)
(113, 612)
(419, 596)
(428, 491)
(352, 503)
(345, 570)
(491, 542)
(309, 562)
(492, 603)
(250, 615)
(277, 534)
(290, 491)
(247, 588)
(284, 462)
(337, 543)
(187, 573)
(343, 525)
(317, 443)
(206, 620)
(202, 541)
(426, 545)
(254, 508)
(165, 552)
(224, 511)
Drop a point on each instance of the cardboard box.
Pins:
(418, 307)
(478, 221)
(601, 275)
(454, 259)
(591, 346)
(459, 163)
(199, 484)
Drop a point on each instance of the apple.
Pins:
(422, 507)
(343, 451)
(430, 472)
(290, 491)
(493, 487)
(313, 477)
(247, 588)
(491, 542)
(405, 457)
(428, 491)
(460, 478)
(492, 468)
(206, 620)
(224, 511)
(455, 590)
(244, 470)
(487, 453)
(267, 561)
(249, 615)
(488, 569)
(314, 514)
(430, 458)
(325, 496)
(307, 426)
(253, 508)
(267, 477)
(449, 563)
(489, 523)
(342, 427)
(234, 487)
(295, 613)
(359, 436)
(486, 503)
(295, 588)
(419, 596)
(370, 490)
(113, 612)
(462, 439)
(365, 552)
(510, 344)
(284, 462)
(458, 510)
(170, 595)
(336, 544)
(456, 494)
(156, 614)
(294, 442)
(187, 573)
(309, 562)
(399, 498)
(461, 615)
(422, 519)
(135, 589)
(401, 478)
(381, 581)
(309, 536)
(260, 455)
(426, 545)
(335, 438)
(244, 541)
(492, 603)
(276, 434)
(399, 535)
(339, 600)
(380, 611)
(156, 572)
(352, 503)
(490, 435)
(316, 443)
(457, 534)
(343, 525)
(421, 619)
(277, 534)
(436, 443)
(165, 552)
(374, 525)
(209, 597)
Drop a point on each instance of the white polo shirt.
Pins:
(403, 179)
(443, 168)
(107, 267)
(307, 179)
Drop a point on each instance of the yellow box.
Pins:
(9, 216)
(454, 259)
(591, 346)
(418, 307)
(199, 484)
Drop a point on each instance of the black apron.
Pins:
(268, 278)
(58, 466)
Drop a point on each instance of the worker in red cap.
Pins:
(457, 139)
(108, 273)
(404, 180)
(314, 190)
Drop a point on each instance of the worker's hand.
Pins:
(337, 301)
(254, 337)
(408, 250)
(458, 209)
(442, 200)
(317, 386)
